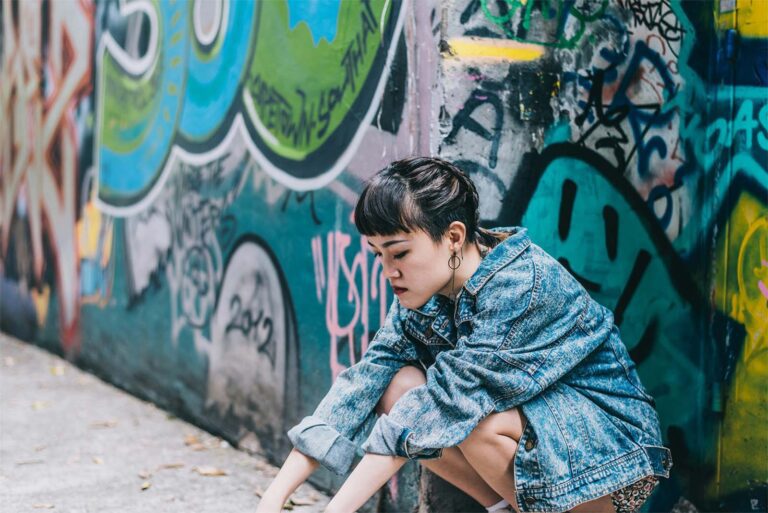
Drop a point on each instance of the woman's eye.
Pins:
(400, 255)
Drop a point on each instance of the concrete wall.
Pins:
(177, 181)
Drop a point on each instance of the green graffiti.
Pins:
(557, 23)
(298, 105)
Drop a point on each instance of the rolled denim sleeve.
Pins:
(442, 412)
(331, 435)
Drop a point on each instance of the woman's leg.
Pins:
(452, 466)
(491, 447)
(482, 465)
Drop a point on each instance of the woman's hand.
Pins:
(373, 471)
(295, 470)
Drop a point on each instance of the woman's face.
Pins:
(416, 267)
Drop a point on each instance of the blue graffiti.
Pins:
(215, 74)
(320, 15)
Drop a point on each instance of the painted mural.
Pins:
(177, 180)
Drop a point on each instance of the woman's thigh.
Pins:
(509, 423)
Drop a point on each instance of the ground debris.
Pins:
(209, 471)
(104, 424)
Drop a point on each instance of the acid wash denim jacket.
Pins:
(522, 333)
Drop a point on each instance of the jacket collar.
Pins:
(504, 252)
(435, 304)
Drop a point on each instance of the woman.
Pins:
(494, 368)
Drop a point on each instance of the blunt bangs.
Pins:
(385, 207)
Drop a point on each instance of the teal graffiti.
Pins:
(588, 216)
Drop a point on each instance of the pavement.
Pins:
(72, 443)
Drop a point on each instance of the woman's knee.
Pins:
(405, 379)
(509, 423)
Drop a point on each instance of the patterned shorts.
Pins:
(630, 498)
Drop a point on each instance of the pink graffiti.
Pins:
(763, 288)
(392, 485)
(364, 284)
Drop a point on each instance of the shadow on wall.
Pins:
(17, 311)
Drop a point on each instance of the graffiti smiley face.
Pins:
(585, 213)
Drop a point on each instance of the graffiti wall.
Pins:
(628, 137)
(177, 181)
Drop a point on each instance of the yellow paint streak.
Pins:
(41, 300)
(88, 231)
(744, 438)
(493, 49)
(750, 18)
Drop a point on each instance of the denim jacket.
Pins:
(522, 333)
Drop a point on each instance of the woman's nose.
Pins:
(391, 272)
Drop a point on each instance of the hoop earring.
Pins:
(453, 263)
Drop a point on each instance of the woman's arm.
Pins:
(295, 470)
(373, 471)
(332, 433)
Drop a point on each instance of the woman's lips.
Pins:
(398, 290)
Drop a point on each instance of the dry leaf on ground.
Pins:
(145, 474)
(104, 424)
(29, 462)
(210, 471)
(145, 485)
(57, 370)
(302, 501)
(97, 460)
(171, 465)
(260, 465)
(191, 440)
(43, 506)
(39, 405)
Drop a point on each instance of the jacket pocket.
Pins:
(426, 335)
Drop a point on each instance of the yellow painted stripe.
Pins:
(494, 49)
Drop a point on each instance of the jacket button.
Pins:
(530, 501)
(530, 444)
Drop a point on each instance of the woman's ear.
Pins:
(457, 234)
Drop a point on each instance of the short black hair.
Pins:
(424, 193)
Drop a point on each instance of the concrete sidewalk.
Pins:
(71, 443)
